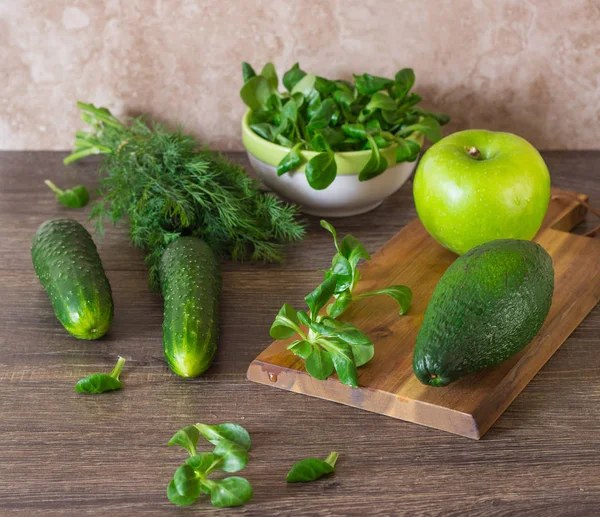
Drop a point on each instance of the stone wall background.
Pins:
(531, 67)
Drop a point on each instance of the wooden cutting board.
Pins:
(387, 384)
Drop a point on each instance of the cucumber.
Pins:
(67, 263)
(191, 285)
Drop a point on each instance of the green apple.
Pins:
(476, 186)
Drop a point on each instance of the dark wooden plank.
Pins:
(63, 454)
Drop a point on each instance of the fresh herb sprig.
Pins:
(230, 454)
(75, 197)
(102, 382)
(330, 344)
(310, 469)
(166, 186)
(318, 114)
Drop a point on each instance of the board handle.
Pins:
(571, 209)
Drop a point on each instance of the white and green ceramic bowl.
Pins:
(345, 196)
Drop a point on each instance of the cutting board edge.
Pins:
(261, 373)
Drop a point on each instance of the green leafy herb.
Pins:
(186, 438)
(165, 185)
(310, 469)
(329, 116)
(230, 454)
(75, 197)
(231, 491)
(330, 345)
(101, 382)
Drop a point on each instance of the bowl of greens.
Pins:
(335, 147)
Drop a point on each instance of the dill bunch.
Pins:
(166, 186)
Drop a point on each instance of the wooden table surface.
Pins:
(62, 453)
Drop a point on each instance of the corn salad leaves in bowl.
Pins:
(336, 147)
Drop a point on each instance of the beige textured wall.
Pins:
(527, 66)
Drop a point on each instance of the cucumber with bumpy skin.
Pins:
(191, 285)
(67, 263)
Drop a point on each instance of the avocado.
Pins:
(489, 304)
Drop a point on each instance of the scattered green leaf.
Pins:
(310, 469)
(228, 492)
(75, 197)
(102, 382)
(186, 438)
(230, 454)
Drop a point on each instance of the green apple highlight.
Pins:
(476, 186)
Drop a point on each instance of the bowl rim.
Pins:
(309, 154)
(348, 162)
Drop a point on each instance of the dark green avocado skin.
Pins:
(191, 286)
(489, 304)
(68, 266)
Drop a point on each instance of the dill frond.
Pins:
(165, 185)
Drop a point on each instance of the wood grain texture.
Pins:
(387, 384)
(66, 454)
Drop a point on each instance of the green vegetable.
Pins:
(166, 186)
(101, 382)
(318, 114)
(489, 304)
(191, 285)
(75, 197)
(331, 345)
(66, 261)
(230, 454)
(311, 468)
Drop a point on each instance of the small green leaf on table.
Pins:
(186, 438)
(311, 469)
(102, 382)
(75, 197)
(228, 492)
(216, 434)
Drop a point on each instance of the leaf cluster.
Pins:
(230, 454)
(327, 116)
(166, 186)
(330, 344)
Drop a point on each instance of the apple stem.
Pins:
(473, 152)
